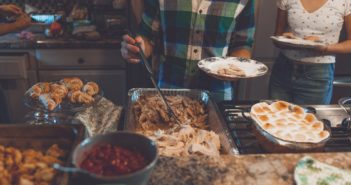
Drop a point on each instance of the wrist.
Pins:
(325, 49)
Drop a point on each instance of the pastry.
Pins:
(91, 88)
(312, 38)
(48, 102)
(72, 84)
(289, 35)
(40, 88)
(80, 97)
(58, 90)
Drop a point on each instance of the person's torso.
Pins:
(197, 29)
(325, 23)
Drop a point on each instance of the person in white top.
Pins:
(305, 76)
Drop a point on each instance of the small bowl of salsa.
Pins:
(116, 158)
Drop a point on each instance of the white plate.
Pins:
(251, 68)
(309, 171)
(297, 43)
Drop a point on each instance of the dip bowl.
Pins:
(126, 140)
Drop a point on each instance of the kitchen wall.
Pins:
(263, 51)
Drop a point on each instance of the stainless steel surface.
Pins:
(345, 103)
(344, 81)
(334, 113)
(240, 126)
(215, 120)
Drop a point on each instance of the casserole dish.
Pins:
(308, 133)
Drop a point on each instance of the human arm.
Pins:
(148, 32)
(243, 35)
(22, 22)
(130, 51)
(342, 47)
(10, 9)
(281, 22)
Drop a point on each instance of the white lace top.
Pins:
(325, 22)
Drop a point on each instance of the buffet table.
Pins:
(242, 169)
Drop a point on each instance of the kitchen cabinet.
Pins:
(14, 81)
(80, 59)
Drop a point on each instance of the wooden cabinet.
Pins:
(14, 80)
(79, 59)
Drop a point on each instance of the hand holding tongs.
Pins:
(151, 75)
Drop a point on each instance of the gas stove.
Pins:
(239, 124)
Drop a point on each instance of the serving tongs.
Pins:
(145, 62)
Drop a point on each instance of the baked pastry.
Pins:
(80, 97)
(52, 94)
(289, 122)
(58, 90)
(312, 38)
(47, 101)
(289, 35)
(91, 88)
(72, 84)
(39, 88)
(231, 69)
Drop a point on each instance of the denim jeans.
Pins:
(301, 83)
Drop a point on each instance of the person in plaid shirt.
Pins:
(190, 30)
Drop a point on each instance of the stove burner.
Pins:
(310, 110)
(346, 124)
(239, 123)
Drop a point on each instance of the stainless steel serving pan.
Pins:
(215, 121)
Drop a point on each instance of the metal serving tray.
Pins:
(215, 121)
(41, 137)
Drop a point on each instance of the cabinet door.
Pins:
(13, 84)
(80, 59)
(112, 82)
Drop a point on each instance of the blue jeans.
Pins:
(301, 83)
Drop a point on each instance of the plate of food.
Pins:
(68, 94)
(232, 68)
(285, 127)
(310, 171)
(289, 40)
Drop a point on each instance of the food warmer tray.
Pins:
(215, 120)
(41, 137)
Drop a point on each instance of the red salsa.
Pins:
(108, 160)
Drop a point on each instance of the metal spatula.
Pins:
(151, 75)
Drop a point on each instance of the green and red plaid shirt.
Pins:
(191, 30)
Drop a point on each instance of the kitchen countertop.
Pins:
(11, 41)
(242, 169)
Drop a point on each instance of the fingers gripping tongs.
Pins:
(145, 62)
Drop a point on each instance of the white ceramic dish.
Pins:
(296, 42)
(250, 67)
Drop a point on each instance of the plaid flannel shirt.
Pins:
(191, 30)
